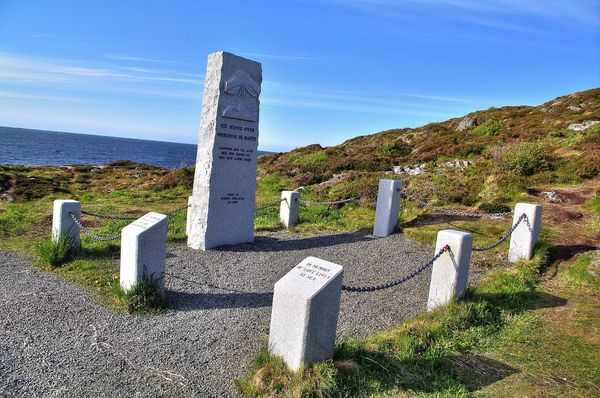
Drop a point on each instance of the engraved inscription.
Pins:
(232, 198)
(312, 271)
(146, 221)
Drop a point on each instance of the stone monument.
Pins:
(224, 194)
(144, 250)
(306, 305)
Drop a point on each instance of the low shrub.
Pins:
(310, 158)
(179, 177)
(56, 252)
(395, 149)
(526, 159)
(488, 129)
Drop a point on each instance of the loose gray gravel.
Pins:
(56, 342)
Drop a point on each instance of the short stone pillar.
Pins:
(388, 204)
(525, 236)
(451, 270)
(63, 224)
(306, 305)
(289, 209)
(188, 220)
(144, 250)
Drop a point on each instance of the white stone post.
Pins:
(188, 220)
(525, 236)
(63, 224)
(144, 250)
(451, 270)
(306, 305)
(289, 208)
(388, 204)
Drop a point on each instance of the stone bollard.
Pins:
(306, 305)
(144, 250)
(289, 209)
(388, 204)
(451, 271)
(63, 224)
(188, 223)
(525, 236)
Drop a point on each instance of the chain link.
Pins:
(455, 212)
(362, 289)
(177, 210)
(127, 218)
(271, 204)
(106, 217)
(91, 234)
(503, 238)
(337, 202)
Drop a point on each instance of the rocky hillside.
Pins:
(509, 148)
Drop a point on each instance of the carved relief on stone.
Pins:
(241, 85)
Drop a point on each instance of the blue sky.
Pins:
(332, 69)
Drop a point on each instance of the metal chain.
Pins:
(362, 289)
(271, 204)
(91, 234)
(106, 217)
(503, 238)
(455, 212)
(127, 218)
(336, 202)
(177, 210)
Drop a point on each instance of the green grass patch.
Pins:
(145, 297)
(431, 355)
(56, 252)
(310, 158)
(488, 129)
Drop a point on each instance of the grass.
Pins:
(472, 347)
(56, 252)
(145, 297)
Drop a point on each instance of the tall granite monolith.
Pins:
(224, 194)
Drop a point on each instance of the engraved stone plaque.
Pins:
(306, 305)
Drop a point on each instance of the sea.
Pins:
(20, 146)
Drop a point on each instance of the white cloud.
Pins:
(494, 14)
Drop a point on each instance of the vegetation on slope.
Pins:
(486, 345)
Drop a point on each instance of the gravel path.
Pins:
(54, 341)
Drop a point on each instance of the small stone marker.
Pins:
(388, 204)
(289, 209)
(525, 236)
(306, 305)
(450, 271)
(63, 224)
(144, 250)
(224, 194)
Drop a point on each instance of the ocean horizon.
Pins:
(31, 147)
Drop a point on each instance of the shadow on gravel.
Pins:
(209, 301)
(270, 244)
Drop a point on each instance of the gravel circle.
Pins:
(56, 342)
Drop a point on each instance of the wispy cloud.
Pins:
(121, 57)
(282, 57)
(293, 95)
(8, 94)
(39, 70)
(512, 15)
